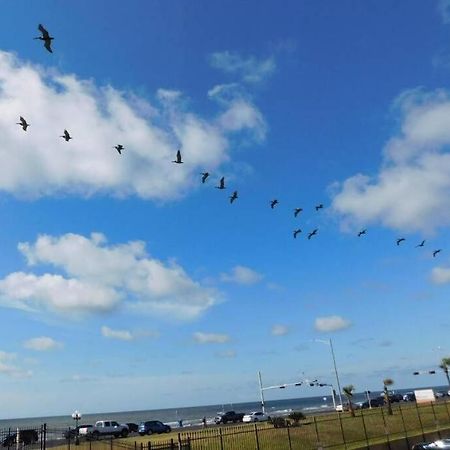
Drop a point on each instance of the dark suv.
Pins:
(153, 426)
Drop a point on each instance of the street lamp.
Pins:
(333, 392)
(330, 343)
(76, 416)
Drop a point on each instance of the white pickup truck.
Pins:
(105, 428)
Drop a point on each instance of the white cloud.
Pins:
(251, 69)
(440, 275)
(42, 344)
(210, 338)
(8, 366)
(99, 277)
(241, 275)
(411, 192)
(443, 7)
(39, 163)
(279, 330)
(122, 335)
(226, 354)
(331, 323)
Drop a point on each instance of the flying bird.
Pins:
(296, 232)
(23, 123)
(119, 148)
(204, 175)
(221, 183)
(66, 136)
(400, 240)
(178, 160)
(436, 252)
(421, 244)
(274, 203)
(313, 233)
(46, 38)
(362, 232)
(297, 211)
(234, 196)
(319, 207)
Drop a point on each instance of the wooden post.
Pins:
(420, 421)
(316, 430)
(149, 445)
(342, 429)
(256, 437)
(221, 439)
(171, 444)
(386, 431)
(365, 429)
(436, 421)
(111, 443)
(289, 438)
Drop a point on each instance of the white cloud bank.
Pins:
(42, 344)
(440, 275)
(251, 69)
(98, 277)
(279, 330)
(9, 367)
(39, 163)
(329, 324)
(210, 338)
(411, 191)
(241, 275)
(121, 335)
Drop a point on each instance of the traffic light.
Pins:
(432, 372)
(415, 373)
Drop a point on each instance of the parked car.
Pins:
(72, 432)
(440, 394)
(409, 397)
(26, 437)
(105, 428)
(443, 444)
(153, 426)
(229, 416)
(132, 427)
(374, 403)
(255, 416)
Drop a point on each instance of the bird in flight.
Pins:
(319, 207)
(23, 123)
(421, 244)
(46, 38)
(400, 240)
(362, 232)
(274, 203)
(297, 211)
(221, 183)
(204, 175)
(66, 136)
(178, 160)
(436, 252)
(119, 148)
(296, 232)
(233, 197)
(313, 233)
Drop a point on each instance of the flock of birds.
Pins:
(47, 39)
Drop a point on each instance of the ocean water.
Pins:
(192, 416)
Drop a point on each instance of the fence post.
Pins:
(45, 436)
(9, 438)
(436, 421)
(386, 431)
(68, 440)
(179, 441)
(289, 438)
(316, 430)
(111, 443)
(420, 420)
(221, 439)
(142, 446)
(171, 444)
(404, 425)
(90, 444)
(365, 429)
(342, 429)
(256, 437)
(149, 445)
(135, 445)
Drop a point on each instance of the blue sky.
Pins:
(125, 277)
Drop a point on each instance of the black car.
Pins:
(374, 403)
(132, 427)
(153, 426)
(25, 436)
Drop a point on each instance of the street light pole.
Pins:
(76, 416)
(261, 391)
(336, 372)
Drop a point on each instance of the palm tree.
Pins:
(445, 365)
(388, 382)
(348, 392)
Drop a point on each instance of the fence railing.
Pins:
(409, 423)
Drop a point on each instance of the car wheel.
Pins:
(149, 432)
(95, 435)
(124, 433)
(255, 419)
(168, 430)
(142, 434)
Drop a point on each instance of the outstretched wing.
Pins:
(44, 32)
(22, 120)
(48, 45)
(178, 156)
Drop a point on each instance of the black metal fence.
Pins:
(407, 425)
